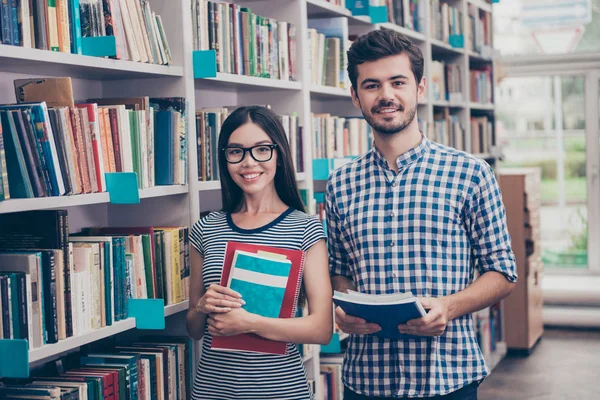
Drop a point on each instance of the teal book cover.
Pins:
(261, 280)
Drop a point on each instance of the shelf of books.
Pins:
(112, 124)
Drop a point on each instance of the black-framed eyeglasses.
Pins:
(260, 152)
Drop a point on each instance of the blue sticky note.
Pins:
(17, 351)
(148, 313)
(333, 346)
(378, 14)
(204, 63)
(321, 168)
(99, 46)
(457, 41)
(122, 187)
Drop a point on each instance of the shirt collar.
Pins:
(411, 156)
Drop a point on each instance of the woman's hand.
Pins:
(219, 299)
(235, 322)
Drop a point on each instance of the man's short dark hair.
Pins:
(379, 44)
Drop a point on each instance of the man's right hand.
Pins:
(219, 299)
(353, 325)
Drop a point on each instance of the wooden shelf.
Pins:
(34, 61)
(247, 83)
(62, 346)
(46, 203)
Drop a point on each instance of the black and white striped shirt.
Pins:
(229, 375)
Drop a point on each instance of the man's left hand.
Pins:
(432, 324)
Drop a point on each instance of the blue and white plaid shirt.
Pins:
(424, 230)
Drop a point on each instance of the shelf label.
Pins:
(122, 187)
(99, 46)
(17, 351)
(148, 313)
(205, 63)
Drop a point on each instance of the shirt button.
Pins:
(392, 215)
(394, 184)
(394, 275)
(392, 244)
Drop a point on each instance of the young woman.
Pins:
(261, 205)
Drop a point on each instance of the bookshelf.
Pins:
(95, 77)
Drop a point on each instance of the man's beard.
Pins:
(390, 129)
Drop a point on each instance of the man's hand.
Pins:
(432, 324)
(353, 325)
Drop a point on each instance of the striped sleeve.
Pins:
(196, 236)
(313, 232)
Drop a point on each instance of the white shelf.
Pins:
(480, 106)
(45, 203)
(74, 342)
(26, 60)
(441, 47)
(485, 6)
(418, 36)
(161, 191)
(176, 308)
(208, 185)
(300, 176)
(324, 9)
(307, 358)
(445, 103)
(328, 92)
(478, 57)
(243, 82)
(496, 356)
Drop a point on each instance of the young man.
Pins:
(413, 215)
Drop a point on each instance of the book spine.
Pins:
(75, 18)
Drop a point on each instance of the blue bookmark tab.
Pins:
(204, 63)
(378, 14)
(122, 187)
(17, 351)
(333, 346)
(457, 41)
(99, 46)
(148, 313)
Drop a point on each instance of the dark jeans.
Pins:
(468, 392)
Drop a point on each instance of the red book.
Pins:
(250, 341)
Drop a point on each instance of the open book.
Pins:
(386, 310)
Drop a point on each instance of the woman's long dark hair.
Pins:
(285, 177)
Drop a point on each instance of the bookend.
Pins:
(99, 46)
(122, 187)
(148, 313)
(378, 14)
(15, 358)
(204, 63)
